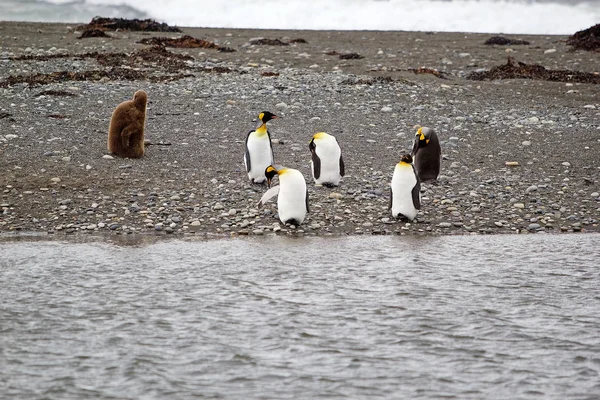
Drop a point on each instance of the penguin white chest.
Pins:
(258, 149)
(291, 202)
(403, 182)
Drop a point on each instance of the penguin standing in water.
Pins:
(427, 154)
(292, 202)
(327, 164)
(405, 200)
(259, 150)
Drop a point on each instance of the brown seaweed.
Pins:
(122, 24)
(519, 70)
(269, 73)
(298, 40)
(504, 41)
(268, 42)
(424, 70)
(345, 56)
(114, 74)
(60, 93)
(93, 33)
(369, 81)
(587, 39)
(185, 41)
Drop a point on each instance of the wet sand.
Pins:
(57, 177)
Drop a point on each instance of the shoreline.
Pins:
(58, 179)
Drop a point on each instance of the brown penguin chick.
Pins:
(126, 130)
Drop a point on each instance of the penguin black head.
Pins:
(407, 159)
(270, 172)
(266, 116)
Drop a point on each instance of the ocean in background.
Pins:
(492, 16)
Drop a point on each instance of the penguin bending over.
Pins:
(258, 153)
(405, 200)
(327, 164)
(427, 154)
(292, 200)
(126, 129)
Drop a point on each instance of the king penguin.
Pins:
(259, 150)
(405, 200)
(427, 154)
(327, 164)
(292, 202)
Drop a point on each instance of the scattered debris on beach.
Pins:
(504, 41)
(122, 24)
(298, 40)
(60, 93)
(518, 70)
(4, 115)
(587, 39)
(345, 56)
(269, 73)
(58, 116)
(187, 42)
(93, 33)
(267, 42)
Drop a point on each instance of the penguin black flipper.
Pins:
(391, 200)
(315, 159)
(342, 166)
(248, 165)
(306, 201)
(416, 192)
(271, 146)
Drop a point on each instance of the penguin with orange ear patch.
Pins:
(405, 200)
(427, 154)
(126, 129)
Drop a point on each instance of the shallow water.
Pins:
(284, 318)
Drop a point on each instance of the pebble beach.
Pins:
(519, 155)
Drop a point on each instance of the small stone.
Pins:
(158, 227)
(335, 195)
(218, 206)
(107, 157)
(55, 180)
(367, 224)
(566, 164)
(444, 224)
(195, 223)
(590, 106)
(519, 205)
(511, 163)
(549, 51)
(386, 109)
(531, 188)
(88, 167)
(526, 143)
(498, 224)
(595, 194)
(233, 211)
(533, 227)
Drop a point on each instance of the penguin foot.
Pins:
(292, 221)
(329, 185)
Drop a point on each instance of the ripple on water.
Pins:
(491, 317)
